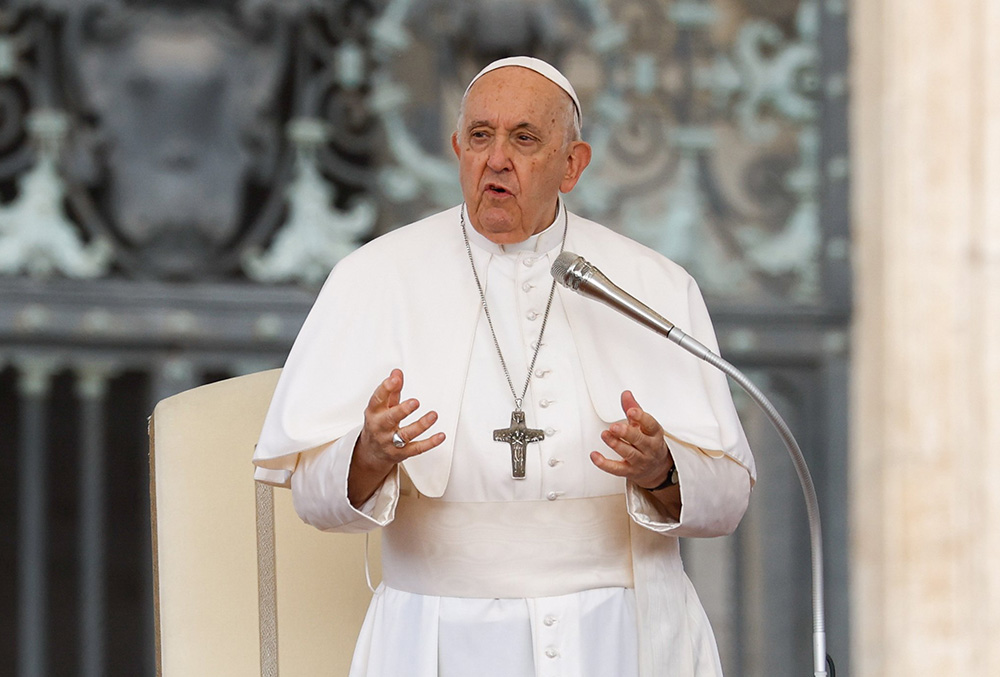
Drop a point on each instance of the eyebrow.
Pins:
(524, 125)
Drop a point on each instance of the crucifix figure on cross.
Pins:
(518, 435)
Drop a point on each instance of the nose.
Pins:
(498, 158)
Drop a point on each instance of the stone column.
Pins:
(925, 457)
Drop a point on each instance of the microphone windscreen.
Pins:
(561, 265)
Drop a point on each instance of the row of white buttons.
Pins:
(532, 315)
(542, 372)
(551, 651)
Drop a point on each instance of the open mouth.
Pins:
(496, 190)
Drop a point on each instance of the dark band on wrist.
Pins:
(669, 482)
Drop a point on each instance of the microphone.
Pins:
(573, 272)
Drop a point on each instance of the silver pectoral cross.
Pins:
(518, 436)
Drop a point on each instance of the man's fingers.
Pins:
(381, 423)
(412, 447)
(644, 473)
(639, 441)
(391, 424)
(420, 446)
(418, 427)
(637, 416)
(387, 392)
(619, 468)
(629, 401)
(621, 446)
(644, 422)
(634, 435)
(392, 418)
(376, 447)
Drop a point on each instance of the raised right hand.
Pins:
(375, 456)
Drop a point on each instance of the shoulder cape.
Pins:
(407, 300)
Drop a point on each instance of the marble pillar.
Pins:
(925, 448)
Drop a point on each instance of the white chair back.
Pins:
(242, 586)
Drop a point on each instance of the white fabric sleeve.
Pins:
(715, 491)
(275, 477)
(319, 490)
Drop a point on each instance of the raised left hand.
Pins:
(638, 439)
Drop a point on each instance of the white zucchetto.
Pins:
(543, 68)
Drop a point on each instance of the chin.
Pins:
(502, 231)
(505, 235)
(507, 238)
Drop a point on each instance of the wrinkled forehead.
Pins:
(515, 95)
(542, 68)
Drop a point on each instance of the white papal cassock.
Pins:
(569, 571)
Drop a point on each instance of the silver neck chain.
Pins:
(518, 401)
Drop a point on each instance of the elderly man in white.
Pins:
(531, 501)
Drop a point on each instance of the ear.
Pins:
(455, 146)
(576, 161)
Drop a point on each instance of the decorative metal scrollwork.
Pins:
(313, 236)
(268, 138)
(174, 160)
(35, 235)
(703, 117)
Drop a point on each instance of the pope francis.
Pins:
(533, 475)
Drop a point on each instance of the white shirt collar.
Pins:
(546, 240)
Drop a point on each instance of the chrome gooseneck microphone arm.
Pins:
(574, 272)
